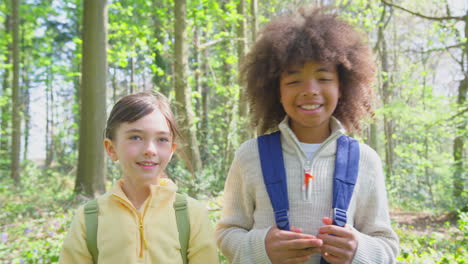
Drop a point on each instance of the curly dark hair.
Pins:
(309, 35)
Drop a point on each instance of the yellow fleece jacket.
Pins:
(150, 235)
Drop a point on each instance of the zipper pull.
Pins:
(308, 178)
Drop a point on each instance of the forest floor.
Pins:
(425, 222)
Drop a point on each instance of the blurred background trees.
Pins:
(190, 50)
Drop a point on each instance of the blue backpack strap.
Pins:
(344, 179)
(274, 176)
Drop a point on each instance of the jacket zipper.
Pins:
(143, 244)
(322, 146)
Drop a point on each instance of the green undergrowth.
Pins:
(34, 219)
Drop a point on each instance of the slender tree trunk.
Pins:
(132, 75)
(5, 109)
(205, 97)
(159, 80)
(50, 119)
(114, 86)
(76, 79)
(372, 135)
(197, 70)
(241, 49)
(183, 94)
(25, 98)
(16, 101)
(386, 96)
(254, 20)
(227, 81)
(458, 144)
(91, 162)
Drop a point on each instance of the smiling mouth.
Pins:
(147, 163)
(310, 107)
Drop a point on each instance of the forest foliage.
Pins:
(419, 127)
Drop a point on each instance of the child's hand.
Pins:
(290, 246)
(339, 248)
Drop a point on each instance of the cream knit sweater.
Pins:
(248, 215)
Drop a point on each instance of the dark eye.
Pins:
(292, 83)
(135, 138)
(325, 80)
(164, 139)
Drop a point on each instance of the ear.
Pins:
(110, 149)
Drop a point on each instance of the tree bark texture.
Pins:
(183, 93)
(16, 101)
(91, 162)
(5, 119)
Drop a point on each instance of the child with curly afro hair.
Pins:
(309, 75)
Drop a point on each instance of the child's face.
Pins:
(144, 148)
(309, 94)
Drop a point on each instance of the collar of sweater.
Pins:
(290, 143)
(163, 191)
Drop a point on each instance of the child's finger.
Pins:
(304, 244)
(335, 241)
(330, 258)
(289, 235)
(296, 230)
(327, 220)
(336, 230)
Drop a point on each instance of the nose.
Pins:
(311, 86)
(150, 149)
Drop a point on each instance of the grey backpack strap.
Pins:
(183, 224)
(91, 222)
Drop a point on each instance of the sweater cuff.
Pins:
(259, 250)
(360, 256)
(367, 250)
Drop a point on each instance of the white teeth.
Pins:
(309, 107)
(146, 163)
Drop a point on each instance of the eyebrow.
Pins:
(291, 72)
(136, 130)
(323, 70)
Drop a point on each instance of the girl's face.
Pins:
(309, 94)
(143, 147)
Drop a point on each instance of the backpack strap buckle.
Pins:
(339, 217)
(282, 219)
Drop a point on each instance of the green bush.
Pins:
(450, 246)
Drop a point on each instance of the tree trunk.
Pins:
(114, 85)
(372, 139)
(5, 109)
(227, 80)
(91, 162)
(25, 97)
(241, 49)
(386, 97)
(458, 144)
(76, 79)
(16, 101)
(132, 75)
(254, 20)
(197, 70)
(50, 118)
(159, 80)
(205, 111)
(183, 94)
